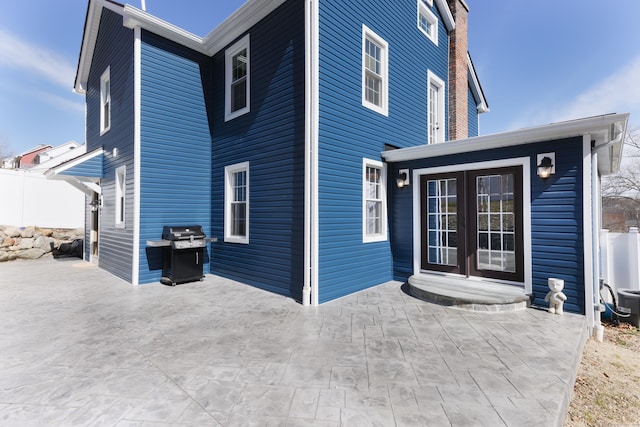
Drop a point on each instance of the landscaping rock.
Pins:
(44, 243)
(26, 243)
(12, 231)
(8, 242)
(32, 242)
(33, 253)
(29, 231)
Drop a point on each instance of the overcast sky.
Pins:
(538, 62)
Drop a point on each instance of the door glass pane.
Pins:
(442, 206)
(495, 219)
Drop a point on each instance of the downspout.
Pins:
(595, 229)
(310, 287)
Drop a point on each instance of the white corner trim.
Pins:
(589, 167)
(137, 109)
(310, 292)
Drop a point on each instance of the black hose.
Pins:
(615, 314)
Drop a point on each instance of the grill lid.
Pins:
(182, 232)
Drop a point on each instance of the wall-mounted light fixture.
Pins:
(546, 165)
(403, 178)
(115, 152)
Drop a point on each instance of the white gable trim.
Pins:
(476, 89)
(91, 26)
(252, 12)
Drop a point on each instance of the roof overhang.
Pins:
(230, 29)
(447, 16)
(83, 172)
(607, 134)
(476, 88)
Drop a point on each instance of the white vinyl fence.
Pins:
(620, 259)
(29, 198)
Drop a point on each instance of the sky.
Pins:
(539, 62)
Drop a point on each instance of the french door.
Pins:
(471, 223)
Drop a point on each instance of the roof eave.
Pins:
(447, 16)
(134, 17)
(89, 36)
(598, 125)
(476, 88)
(248, 15)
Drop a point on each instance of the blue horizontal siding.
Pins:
(114, 49)
(271, 138)
(557, 230)
(91, 168)
(349, 132)
(175, 145)
(472, 115)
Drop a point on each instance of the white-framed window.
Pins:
(236, 203)
(435, 108)
(121, 195)
(105, 101)
(237, 79)
(427, 21)
(375, 72)
(374, 201)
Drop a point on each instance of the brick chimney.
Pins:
(458, 72)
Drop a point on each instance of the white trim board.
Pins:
(525, 162)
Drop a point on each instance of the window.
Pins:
(236, 203)
(427, 21)
(435, 109)
(121, 193)
(374, 72)
(237, 72)
(374, 203)
(105, 101)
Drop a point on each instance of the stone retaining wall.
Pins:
(34, 242)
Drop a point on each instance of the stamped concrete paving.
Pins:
(80, 347)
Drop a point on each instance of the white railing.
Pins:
(620, 259)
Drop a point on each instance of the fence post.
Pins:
(634, 259)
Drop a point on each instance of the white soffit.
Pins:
(605, 130)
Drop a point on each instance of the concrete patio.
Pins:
(81, 347)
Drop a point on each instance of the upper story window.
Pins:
(236, 206)
(427, 21)
(105, 101)
(374, 203)
(237, 73)
(375, 79)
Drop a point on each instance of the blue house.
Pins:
(306, 136)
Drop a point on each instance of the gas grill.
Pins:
(183, 253)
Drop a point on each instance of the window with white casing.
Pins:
(105, 101)
(427, 21)
(121, 194)
(375, 79)
(435, 109)
(236, 203)
(237, 84)
(374, 201)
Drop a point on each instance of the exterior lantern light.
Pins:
(403, 178)
(546, 166)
